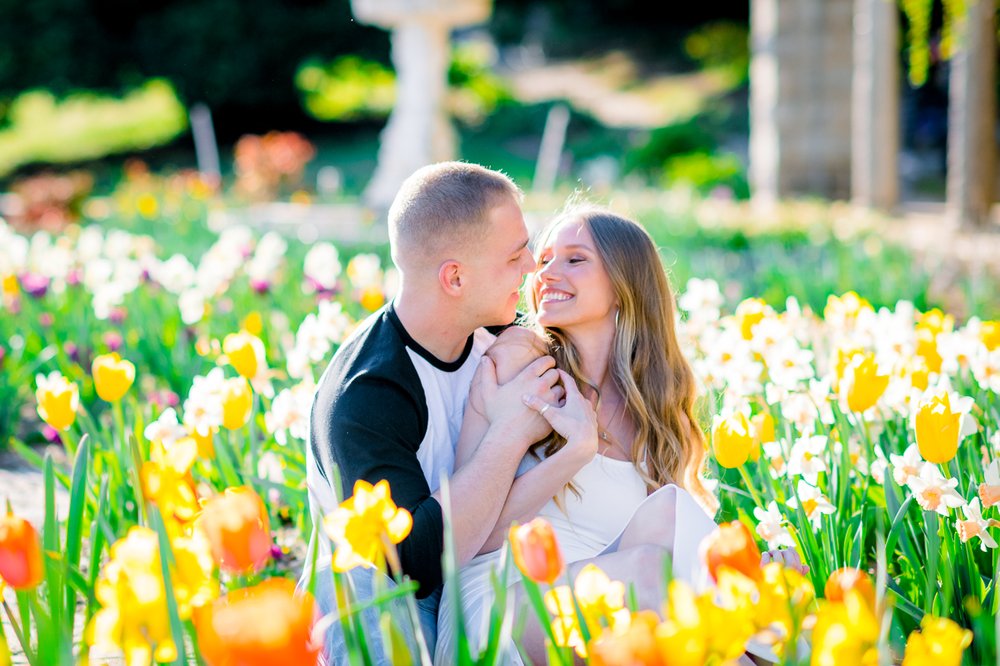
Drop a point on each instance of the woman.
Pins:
(619, 479)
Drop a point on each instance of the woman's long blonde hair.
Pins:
(646, 364)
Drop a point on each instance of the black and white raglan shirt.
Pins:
(386, 408)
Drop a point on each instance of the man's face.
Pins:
(498, 268)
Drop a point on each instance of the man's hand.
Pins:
(504, 406)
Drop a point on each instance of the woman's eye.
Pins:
(576, 260)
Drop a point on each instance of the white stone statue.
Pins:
(419, 131)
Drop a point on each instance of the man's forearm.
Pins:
(478, 491)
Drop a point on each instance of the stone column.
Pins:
(875, 105)
(972, 111)
(800, 98)
(419, 131)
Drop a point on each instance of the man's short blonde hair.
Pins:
(444, 206)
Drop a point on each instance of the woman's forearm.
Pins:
(534, 488)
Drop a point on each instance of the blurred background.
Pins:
(786, 124)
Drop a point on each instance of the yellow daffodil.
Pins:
(601, 602)
(237, 402)
(58, 400)
(698, 631)
(113, 376)
(245, 352)
(937, 428)
(731, 439)
(748, 314)
(846, 632)
(364, 525)
(167, 482)
(939, 642)
(864, 383)
(130, 589)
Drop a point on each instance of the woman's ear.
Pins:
(450, 277)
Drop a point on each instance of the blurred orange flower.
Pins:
(20, 553)
(261, 625)
(238, 530)
(733, 546)
(536, 551)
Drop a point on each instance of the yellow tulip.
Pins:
(363, 524)
(113, 376)
(253, 323)
(698, 631)
(762, 427)
(58, 400)
(864, 383)
(245, 353)
(732, 439)
(372, 298)
(937, 428)
(237, 401)
(846, 633)
(601, 602)
(939, 642)
(4, 650)
(989, 333)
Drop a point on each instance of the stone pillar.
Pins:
(419, 131)
(875, 105)
(972, 111)
(800, 98)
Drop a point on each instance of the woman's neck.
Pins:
(593, 347)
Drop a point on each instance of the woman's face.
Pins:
(571, 287)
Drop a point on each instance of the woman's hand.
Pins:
(574, 419)
(789, 558)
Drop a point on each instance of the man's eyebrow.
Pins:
(521, 246)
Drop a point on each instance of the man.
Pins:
(390, 404)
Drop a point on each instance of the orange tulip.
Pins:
(733, 546)
(849, 578)
(238, 530)
(536, 551)
(265, 624)
(20, 553)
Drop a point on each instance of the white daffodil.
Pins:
(771, 527)
(906, 466)
(814, 503)
(933, 491)
(808, 458)
(166, 429)
(975, 525)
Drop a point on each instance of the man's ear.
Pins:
(451, 278)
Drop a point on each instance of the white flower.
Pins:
(333, 321)
(775, 456)
(906, 466)
(800, 409)
(771, 527)
(312, 339)
(806, 458)
(322, 265)
(365, 270)
(701, 296)
(814, 503)
(975, 525)
(166, 429)
(986, 369)
(176, 274)
(879, 466)
(934, 492)
(203, 407)
(271, 467)
(192, 306)
(289, 413)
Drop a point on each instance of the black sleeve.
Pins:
(371, 431)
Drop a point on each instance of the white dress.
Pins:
(610, 492)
